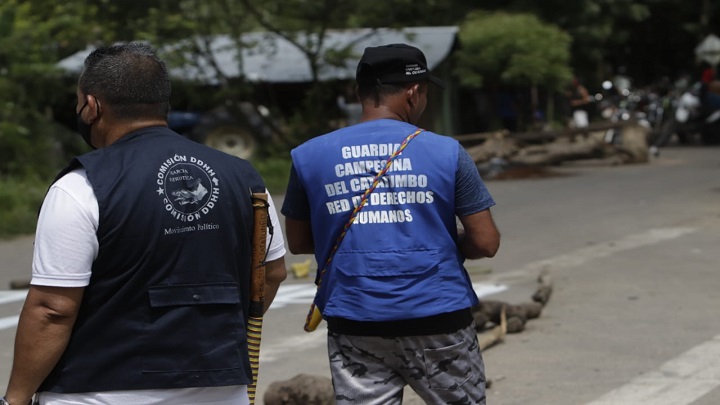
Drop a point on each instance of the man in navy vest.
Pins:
(141, 266)
(395, 294)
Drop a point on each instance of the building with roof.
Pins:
(275, 63)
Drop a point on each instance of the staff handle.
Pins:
(257, 286)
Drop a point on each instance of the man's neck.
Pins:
(373, 114)
(121, 129)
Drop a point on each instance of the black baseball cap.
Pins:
(394, 63)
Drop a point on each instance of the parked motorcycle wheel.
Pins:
(710, 134)
(667, 130)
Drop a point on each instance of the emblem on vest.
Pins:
(188, 187)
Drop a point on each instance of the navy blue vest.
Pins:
(167, 302)
(399, 259)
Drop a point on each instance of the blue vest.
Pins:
(399, 259)
(167, 302)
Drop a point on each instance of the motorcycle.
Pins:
(619, 106)
(692, 115)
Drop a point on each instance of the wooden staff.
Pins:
(257, 285)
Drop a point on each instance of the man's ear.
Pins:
(412, 91)
(93, 108)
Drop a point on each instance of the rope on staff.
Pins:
(257, 285)
(314, 316)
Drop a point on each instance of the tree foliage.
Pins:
(515, 49)
(651, 38)
(33, 36)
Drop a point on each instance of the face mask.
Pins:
(83, 127)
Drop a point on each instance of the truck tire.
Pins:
(231, 139)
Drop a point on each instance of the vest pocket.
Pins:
(384, 285)
(193, 327)
(386, 263)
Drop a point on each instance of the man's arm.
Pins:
(584, 97)
(300, 237)
(275, 273)
(65, 247)
(480, 237)
(44, 329)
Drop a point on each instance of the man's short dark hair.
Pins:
(379, 91)
(130, 78)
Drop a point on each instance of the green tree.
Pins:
(305, 25)
(33, 36)
(411, 13)
(514, 50)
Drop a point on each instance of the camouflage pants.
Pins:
(441, 369)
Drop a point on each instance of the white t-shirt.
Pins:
(66, 245)
(230, 395)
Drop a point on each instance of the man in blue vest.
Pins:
(395, 294)
(141, 268)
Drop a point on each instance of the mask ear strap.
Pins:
(83, 107)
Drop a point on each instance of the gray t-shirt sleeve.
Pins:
(471, 195)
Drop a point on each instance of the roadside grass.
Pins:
(275, 171)
(20, 200)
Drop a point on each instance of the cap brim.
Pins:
(437, 81)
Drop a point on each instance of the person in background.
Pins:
(579, 100)
(712, 98)
(140, 275)
(395, 295)
(506, 107)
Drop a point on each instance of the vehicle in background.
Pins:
(618, 105)
(692, 114)
(235, 134)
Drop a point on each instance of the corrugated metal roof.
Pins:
(271, 58)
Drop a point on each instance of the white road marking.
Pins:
(680, 381)
(581, 256)
(9, 322)
(8, 297)
(294, 294)
(12, 296)
(293, 344)
(485, 289)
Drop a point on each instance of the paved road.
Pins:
(633, 253)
